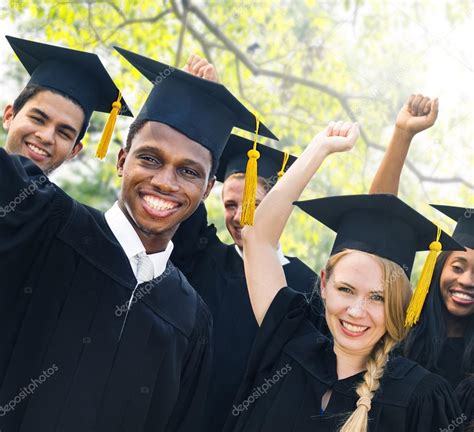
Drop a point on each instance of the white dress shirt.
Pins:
(131, 243)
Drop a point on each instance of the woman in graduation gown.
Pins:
(443, 339)
(297, 379)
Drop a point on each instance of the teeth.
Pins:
(159, 204)
(37, 150)
(353, 328)
(462, 296)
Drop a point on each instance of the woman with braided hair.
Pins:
(298, 380)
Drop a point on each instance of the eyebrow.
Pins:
(354, 288)
(46, 117)
(159, 153)
(459, 258)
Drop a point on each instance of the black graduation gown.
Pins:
(450, 361)
(217, 272)
(465, 394)
(292, 365)
(69, 359)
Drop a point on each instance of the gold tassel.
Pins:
(109, 129)
(418, 298)
(250, 188)
(286, 156)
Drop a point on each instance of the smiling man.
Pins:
(94, 296)
(48, 120)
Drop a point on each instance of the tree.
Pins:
(299, 64)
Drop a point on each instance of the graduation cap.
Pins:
(237, 158)
(271, 165)
(203, 110)
(464, 230)
(76, 74)
(384, 225)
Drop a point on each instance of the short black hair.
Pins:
(137, 125)
(31, 90)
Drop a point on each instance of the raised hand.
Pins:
(201, 68)
(418, 113)
(337, 137)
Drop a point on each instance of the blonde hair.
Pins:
(397, 293)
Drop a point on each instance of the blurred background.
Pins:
(300, 64)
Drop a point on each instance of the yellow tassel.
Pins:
(250, 187)
(418, 298)
(109, 129)
(286, 156)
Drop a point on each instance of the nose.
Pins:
(467, 279)
(237, 214)
(165, 180)
(358, 309)
(46, 134)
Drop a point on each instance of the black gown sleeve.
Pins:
(287, 311)
(433, 406)
(188, 413)
(465, 394)
(25, 197)
(284, 317)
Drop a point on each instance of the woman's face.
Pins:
(457, 283)
(354, 300)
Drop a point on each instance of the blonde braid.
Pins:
(358, 420)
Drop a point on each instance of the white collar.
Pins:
(283, 259)
(131, 243)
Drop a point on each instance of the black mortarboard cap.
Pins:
(203, 110)
(77, 74)
(234, 159)
(379, 224)
(464, 230)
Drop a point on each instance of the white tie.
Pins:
(145, 270)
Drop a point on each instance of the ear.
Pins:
(323, 284)
(8, 115)
(75, 150)
(210, 185)
(121, 161)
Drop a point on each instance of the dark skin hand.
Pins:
(417, 114)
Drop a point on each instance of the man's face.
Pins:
(45, 130)
(232, 197)
(165, 175)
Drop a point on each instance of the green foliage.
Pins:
(299, 64)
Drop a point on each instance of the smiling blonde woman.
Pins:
(352, 382)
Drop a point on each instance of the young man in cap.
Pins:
(94, 296)
(49, 118)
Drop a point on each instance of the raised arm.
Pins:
(263, 271)
(418, 113)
